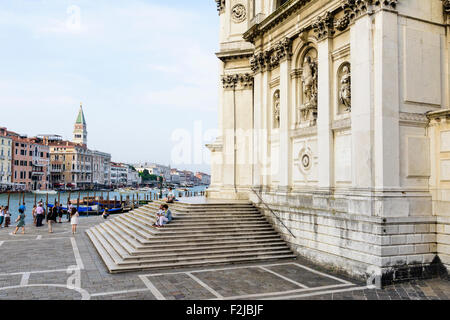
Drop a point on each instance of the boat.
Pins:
(53, 192)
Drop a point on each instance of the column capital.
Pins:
(324, 26)
(231, 81)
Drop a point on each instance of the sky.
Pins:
(144, 70)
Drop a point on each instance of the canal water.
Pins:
(29, 199)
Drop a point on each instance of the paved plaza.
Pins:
(39, 265)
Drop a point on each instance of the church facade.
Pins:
(334, 115)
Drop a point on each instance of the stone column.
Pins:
(285, 110)
(361, 51)
(257, 132)
(266, 118)
(325, 138)
(386, 101)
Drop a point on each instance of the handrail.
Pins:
(262, 201)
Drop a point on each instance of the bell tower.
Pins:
(80, 128)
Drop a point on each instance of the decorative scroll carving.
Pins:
(282, 50)
(220, 5)
(356, 8)
(259, 61)
(272, 57)
(324, 26)
(342, 23)
(238, 13)
(276, 109)
(232, 80)
(345, 96)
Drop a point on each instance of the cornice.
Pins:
(274, 19)
(234, 54)
(441, 114)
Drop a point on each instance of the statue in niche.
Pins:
(345, 94)
(309, 82)
(276, 109)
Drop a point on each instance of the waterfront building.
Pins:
(203, 178)
(335, 114)
(70, 165)
(133, 178)
(119, 174)
(101, 168)
(5, 159)
(40, 169)
(22, 156)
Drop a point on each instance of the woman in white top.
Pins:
(74, 220)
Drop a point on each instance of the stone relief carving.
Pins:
(342, 23)
(220, 5)
(304, 160)
(258, 61)
(272, 57)
(356, 8)
(276, 109)
(232, 80)
(282, 50)
(345, 95)
(324, 26)
(238, 13)
(308, 108)
(446, 4)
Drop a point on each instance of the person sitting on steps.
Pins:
(170, 196)
(165, 217)
(159, 213)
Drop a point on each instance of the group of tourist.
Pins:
(54, 215)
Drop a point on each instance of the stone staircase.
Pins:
(199, 235)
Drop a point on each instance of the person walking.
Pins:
(33, 213)
(2, 216)
(59, 212)
(74, 220)
(51, 218)
(21, 222)
(69, 210)
(7, 217)
(39, 215)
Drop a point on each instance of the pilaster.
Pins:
(325, 138)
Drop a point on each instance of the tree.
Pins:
(146, 176)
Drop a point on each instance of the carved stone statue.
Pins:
(276, 109)
(309, 82)
(345, 95)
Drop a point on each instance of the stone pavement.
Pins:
(39, 265)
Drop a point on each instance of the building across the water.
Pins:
(73, 165)
(336, 115)
(5, 160)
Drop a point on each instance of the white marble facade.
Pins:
(336, 113)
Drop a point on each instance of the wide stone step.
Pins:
(202, 263)
(176, 223)
(199, 235)
(121, 262)
(181, 228)
(133, 247)
(124, 251)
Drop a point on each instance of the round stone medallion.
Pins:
(305, 160)
(238, 13)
